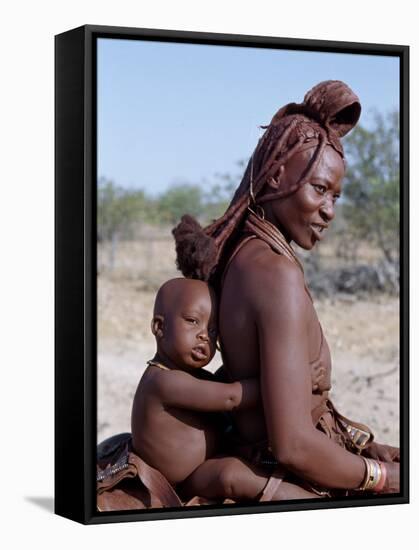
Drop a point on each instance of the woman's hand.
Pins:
(392, 484)
(385, 453)
(391, 457)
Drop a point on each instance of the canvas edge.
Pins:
(75, 421)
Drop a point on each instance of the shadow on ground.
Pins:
(47, 503)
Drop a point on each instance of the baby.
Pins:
(174, 423)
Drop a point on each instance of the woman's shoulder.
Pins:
(258, 265)
(272, 285)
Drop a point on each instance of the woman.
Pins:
(268, 325)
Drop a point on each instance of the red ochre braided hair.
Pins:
(329, 111)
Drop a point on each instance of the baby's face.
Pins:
(190, 329)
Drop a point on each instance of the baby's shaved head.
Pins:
(185, 323)
(176, 292)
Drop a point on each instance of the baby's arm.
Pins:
(180, 389)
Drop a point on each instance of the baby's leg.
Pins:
(231, 477)
(291, 491)
(226, 477)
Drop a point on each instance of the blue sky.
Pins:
(181, 113)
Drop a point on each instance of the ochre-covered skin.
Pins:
(173, 423)
(174, 427)
(268, 325)
(167, 431)
(269, 329)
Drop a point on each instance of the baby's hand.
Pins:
(317, 373)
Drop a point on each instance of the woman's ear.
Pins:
(274, 183)
(157, 323)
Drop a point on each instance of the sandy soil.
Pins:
(363, 337)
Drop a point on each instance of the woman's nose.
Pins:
(327, 209)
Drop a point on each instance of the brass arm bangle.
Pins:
(380, 485)
(366, 476)
(373, 475)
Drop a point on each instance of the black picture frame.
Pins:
(76, 260)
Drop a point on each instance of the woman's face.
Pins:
(305, 215)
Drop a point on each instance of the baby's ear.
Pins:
(157, 325)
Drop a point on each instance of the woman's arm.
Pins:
(180, 389)
(283, 313)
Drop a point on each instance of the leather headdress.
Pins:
(331, 103)
(329, 111)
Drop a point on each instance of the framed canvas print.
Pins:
(231, 274)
